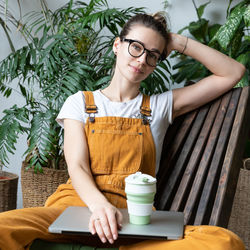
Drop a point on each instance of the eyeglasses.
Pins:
(137, 49)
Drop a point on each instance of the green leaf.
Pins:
(165, 65)
(180, 76)
(8, 92)
(41, 148)
(245, 46)
(236, 42)
(65, 90)
(212, 30)
(44, 38)
(243, 82)
(244, 58)
(10, 129)
(184, 62)
(191, 70)
(246, 16)
(16, 60)
(103, 80)
(53, 63)
(11, 63)
(200, 10)
(199, 29)
(227, 31)
(181, 30)
(23, 90)
(23, 55)
(33, 55)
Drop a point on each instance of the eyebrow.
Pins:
(151, 50)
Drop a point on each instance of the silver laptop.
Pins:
(163, 225)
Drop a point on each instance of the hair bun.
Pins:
(161, 17)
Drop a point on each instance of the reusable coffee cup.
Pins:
(140, 191)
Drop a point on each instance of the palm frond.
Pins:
(11, 126)
(44, 139)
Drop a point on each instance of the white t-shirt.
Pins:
(160, 104)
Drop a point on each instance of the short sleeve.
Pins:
(73, 108)
(162, 105)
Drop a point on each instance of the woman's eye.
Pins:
(136, 47)
(153, 56)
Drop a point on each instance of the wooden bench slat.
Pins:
(232, 163)
(202, 171)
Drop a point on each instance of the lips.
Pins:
(136, 69)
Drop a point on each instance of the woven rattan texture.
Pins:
(38, 187)
(8, 191)
(239, 221)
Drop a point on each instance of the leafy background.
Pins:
(58, 53)
(67, 50)
(232, 38)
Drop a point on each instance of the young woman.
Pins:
(116, 131)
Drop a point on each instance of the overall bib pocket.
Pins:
(105, 142)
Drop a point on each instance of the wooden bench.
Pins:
(200, 164)
(201, 159)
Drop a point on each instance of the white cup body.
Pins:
(139, 209)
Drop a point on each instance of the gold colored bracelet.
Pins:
(185, 46)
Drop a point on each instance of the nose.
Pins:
(142, 58)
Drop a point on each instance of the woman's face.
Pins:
(136, 69)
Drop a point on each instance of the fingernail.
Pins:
(103, 240)
(114, 236)
(111, 241)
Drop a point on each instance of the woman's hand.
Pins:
(176, 42)
(105, 220)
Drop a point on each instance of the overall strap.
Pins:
(145, 109)
(90, 106)
(145, 106)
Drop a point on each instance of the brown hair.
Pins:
(156, 22)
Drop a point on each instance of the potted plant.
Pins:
(8, 190)
(69, 54)
(231, 38)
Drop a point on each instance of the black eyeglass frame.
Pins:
(144, 49)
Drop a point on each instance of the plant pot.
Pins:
(239, 219)
(37, 187)
(8, 191)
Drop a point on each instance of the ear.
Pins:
(116, 44)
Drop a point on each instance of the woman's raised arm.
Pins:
(226, 73)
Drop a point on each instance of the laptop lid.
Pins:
(163, 225)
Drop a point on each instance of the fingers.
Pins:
(91, 225)
(119, 219)
(112, 222)
(102, 232)
(106, 222)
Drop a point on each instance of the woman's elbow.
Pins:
(239, 73)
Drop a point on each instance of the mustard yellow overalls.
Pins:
(117, 147)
